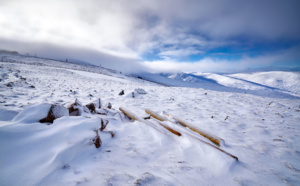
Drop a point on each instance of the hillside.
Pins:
(260, 127)
(277, 84)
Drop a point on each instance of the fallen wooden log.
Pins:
(216, 140)
(163, 118)
(236, 158)
(156, 115)
(167, 127)
(137, 118)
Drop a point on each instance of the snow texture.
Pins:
(258, 120)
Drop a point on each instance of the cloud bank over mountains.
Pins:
(170, 35)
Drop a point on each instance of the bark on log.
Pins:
(163, 118)
(216, 140)
(212, 138)
(167, 127)
(137, 118)
(234, 157)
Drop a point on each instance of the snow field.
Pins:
(285, 81)
(261, 131)
(275, 84)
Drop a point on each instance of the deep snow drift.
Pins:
(261, 129)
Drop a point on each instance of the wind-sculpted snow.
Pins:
(262, 131)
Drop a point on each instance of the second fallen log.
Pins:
(216, 140)
(163, 118)
(137, 118)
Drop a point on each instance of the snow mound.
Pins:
(33, 113)
(7, 115)
(140, 91)
(43, 153)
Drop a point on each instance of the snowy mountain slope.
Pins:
(224, 83)
(285, 81)
(29, 60)
(263, 132)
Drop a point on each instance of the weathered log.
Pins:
(216, 140)
(212, 138)
(168, 128)
(234, 157)
(156, 115)
(163, 118)
(137, 118)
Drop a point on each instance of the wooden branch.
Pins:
(156, 115)
(236, 158)
(167, 127)
(137, 118)
(212, 138)
(162, 118)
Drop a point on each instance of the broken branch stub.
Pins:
(98, 103)
(112, 133)
(76, 108)
(109, 106)
(91, 107)
(96, 140)
(103, 125)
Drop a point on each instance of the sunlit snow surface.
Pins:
(262, 129)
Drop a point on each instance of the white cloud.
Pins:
(128, 29)
(217, 65)
(95, 25)
(180, 52)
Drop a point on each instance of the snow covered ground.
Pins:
(262, 128)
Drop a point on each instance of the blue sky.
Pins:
(169, 35)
